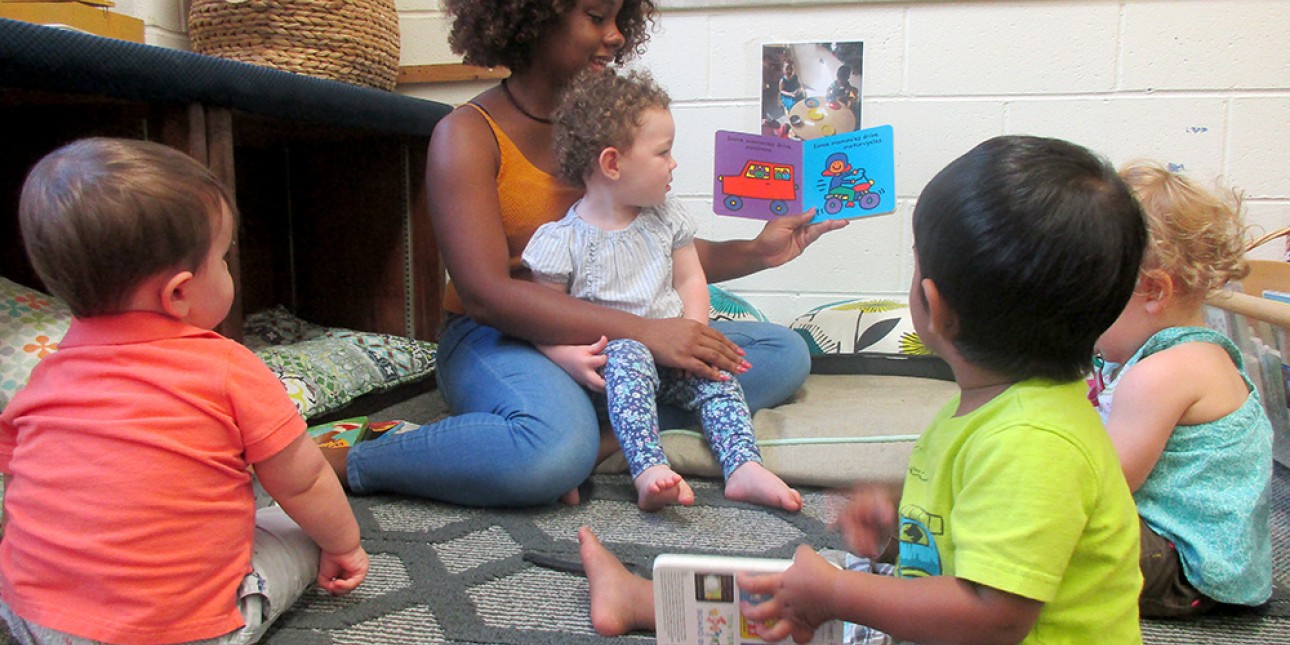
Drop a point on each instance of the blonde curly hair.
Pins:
(601, 110)
(1195, 236)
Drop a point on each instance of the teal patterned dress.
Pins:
(1208, 493)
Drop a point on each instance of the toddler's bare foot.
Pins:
(752, 483)
(620, 601)
(658, 486)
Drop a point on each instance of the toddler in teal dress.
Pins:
(1192, 435)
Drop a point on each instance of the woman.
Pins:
(525, 433)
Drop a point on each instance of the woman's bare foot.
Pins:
(572, 498)
(754, 484)
(620, 601)
(658, 486)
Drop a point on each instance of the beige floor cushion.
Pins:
(838, 430)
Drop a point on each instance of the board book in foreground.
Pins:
(843, 176)
(696, 601)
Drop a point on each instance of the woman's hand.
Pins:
(692, 346)
(785, 238)
(581, 362)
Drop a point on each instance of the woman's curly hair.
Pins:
(503, 32)
(600, 110)
(1195, 236)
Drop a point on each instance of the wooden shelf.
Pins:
(449, 73)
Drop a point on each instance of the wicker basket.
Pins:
(354, 41)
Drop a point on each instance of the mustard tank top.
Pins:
(529, 197)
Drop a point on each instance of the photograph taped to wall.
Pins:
(828, 73)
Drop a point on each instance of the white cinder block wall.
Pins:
(1201, 84)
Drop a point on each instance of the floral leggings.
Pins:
(633, 388)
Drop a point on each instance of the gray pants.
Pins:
(283, 565)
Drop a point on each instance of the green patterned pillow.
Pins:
(31, 326)
(322, 368)
(277, 326)
(724, 305)
(325, 368)
(860, 326)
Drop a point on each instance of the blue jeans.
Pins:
(524, 432)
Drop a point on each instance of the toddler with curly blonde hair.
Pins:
(1193, 438)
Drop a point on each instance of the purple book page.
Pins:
(756, 176)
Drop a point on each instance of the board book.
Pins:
(340, 434)
(843, 176)
(1278, 296)
(696, 601)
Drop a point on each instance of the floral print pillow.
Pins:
(860, 326)
(31, 326)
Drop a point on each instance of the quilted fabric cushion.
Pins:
(325, 368)
(31, 326)
(861, 325)
(856, 424)
(838, 430)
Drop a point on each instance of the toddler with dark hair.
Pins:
(1014, 524)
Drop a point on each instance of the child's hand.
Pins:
(800, 599)
(581, 362)
(341, 573)
(868, 521)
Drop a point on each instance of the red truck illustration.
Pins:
(760, 180)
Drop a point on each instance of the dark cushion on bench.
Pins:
(46, 58)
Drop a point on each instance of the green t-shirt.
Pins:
(1026, 495)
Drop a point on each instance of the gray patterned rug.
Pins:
(451, 575)
(444, 574)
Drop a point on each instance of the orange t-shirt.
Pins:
(130, 511)
(529, 196)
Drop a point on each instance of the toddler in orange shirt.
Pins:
(129, 515)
